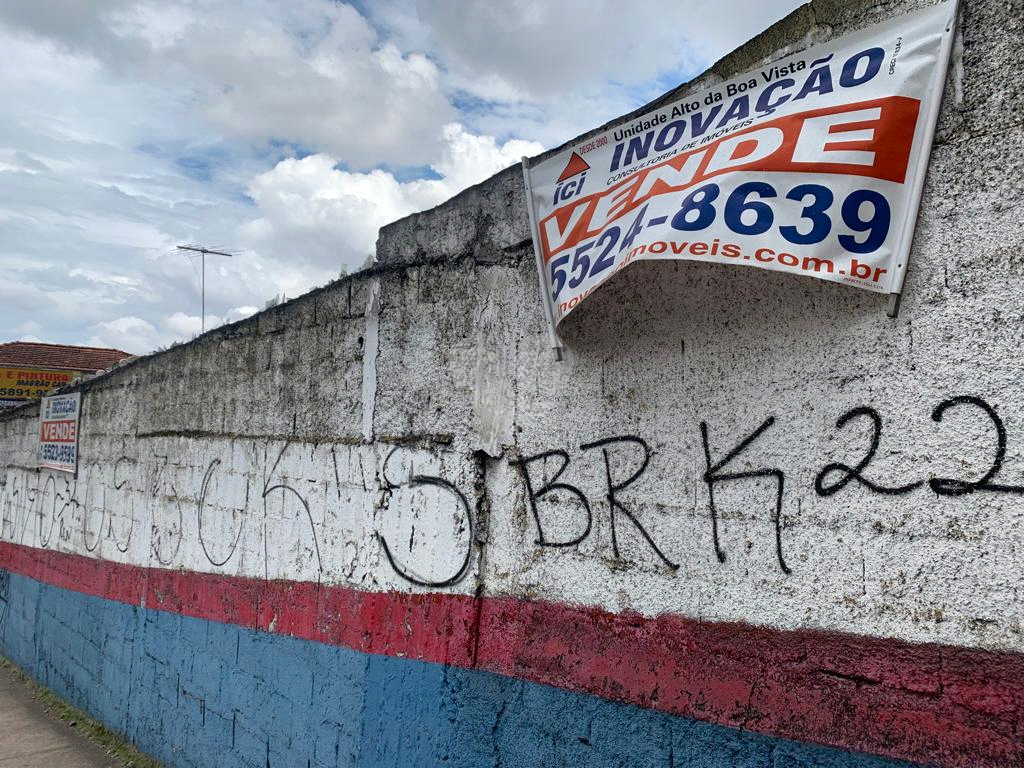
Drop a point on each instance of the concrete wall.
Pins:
(379, 525)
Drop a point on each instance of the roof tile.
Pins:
(85, 359)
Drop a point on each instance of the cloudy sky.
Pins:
(288, 132)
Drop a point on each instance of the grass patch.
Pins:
(112, 742)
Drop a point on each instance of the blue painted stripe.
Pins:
(195, 693)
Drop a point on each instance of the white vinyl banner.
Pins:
(58, 432)
(812, 165)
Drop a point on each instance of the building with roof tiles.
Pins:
(28, 370)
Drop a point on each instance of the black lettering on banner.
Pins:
(58, 453)
(548, 487)
(855, 473)
(947, 486)
(714, 475)
(614, 504)
(436, 482)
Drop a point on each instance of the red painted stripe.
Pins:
(937, 705)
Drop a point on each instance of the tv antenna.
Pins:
(202, 250)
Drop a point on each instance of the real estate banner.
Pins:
(812, 165)
(58, 432)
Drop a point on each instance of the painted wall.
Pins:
(380, 526)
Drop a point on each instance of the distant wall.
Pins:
(749, 521)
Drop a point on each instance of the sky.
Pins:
(287, 133)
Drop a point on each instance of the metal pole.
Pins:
(545, 293)
(938, 86)
(203, 251)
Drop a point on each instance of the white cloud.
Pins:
(328, 218)
(553, 48)
(184, 327)
(239, 313)
(33, 339)
(138, 336)
(469, 159)
(131, 334)
(553, 70)
(314, 73)
(291, 130)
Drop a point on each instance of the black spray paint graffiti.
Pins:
(945, 486)
(5, 598)
(167, 532)
(941, 486)
(552, 486)
(87, 513)
(53, 500)
(51, 508)
(714, 475)
(269, 487)
(613, 487)
(169, 536)
(16, 505)
(235, 514)
(59, 504)
(615, 506)
(464, 514)
(8, 508)
(856, 473)
(105, 528)
(833, 478)
(50, 504)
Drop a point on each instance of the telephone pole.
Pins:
(200, 249)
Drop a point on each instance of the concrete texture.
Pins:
(209, 694)
(32, 737)
(406, 431)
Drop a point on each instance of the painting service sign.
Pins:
(19, 384)
(58, 432)
(812, 165)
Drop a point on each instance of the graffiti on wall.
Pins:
(833, 477)
(414, 509)
(269, 500)
(5, 599)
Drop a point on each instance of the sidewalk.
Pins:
(33, 737)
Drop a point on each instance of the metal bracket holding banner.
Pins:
(938, 86)
(545, 293)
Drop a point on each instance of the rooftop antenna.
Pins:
(204, 251)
